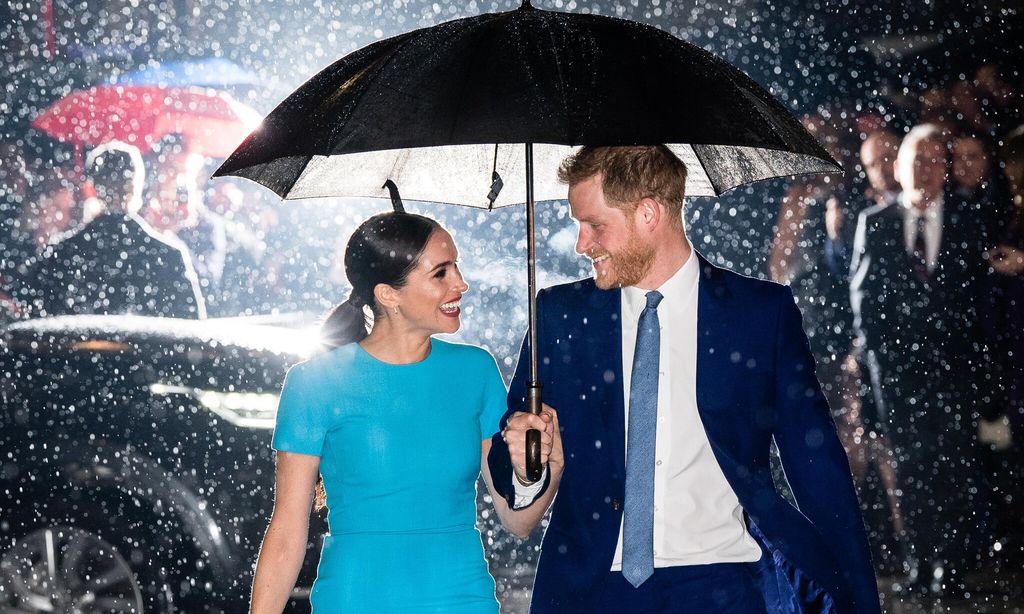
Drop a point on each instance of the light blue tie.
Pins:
(638, 513)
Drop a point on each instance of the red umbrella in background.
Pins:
(213, 122)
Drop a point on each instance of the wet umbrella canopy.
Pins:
(427, 109)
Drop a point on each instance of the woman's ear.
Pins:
(386, 296)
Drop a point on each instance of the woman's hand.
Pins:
(550, 440)
(524, 520)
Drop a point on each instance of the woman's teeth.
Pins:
(451, 307)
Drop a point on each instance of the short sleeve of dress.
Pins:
(299, 427)
(495, 396)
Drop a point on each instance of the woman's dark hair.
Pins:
(383, 250)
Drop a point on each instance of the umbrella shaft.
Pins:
(531, 258)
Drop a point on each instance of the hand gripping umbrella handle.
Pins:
(534, 468)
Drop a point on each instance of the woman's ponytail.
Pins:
(347, 323)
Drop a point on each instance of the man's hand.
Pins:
(1006, 260)
(833, 218)
(996, 433)
(550, 440)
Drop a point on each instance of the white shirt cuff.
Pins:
(525, 495)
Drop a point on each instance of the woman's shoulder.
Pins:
(327, 363)
(466, 352)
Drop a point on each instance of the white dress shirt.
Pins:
(697, 516)
(932, 229)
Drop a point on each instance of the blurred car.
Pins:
(136, 472)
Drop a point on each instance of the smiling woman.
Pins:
(397, 424)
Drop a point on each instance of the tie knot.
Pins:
(653, 298)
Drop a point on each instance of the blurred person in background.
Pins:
(48, 210)
(878, 158)
(54, 211)
(244, 286)
(917, 271)
(14, 181)
(810, 253)
(1003, 323)
(1001, 103)
(175, 207)
(116, 263)
(978, 182)
(963, 102)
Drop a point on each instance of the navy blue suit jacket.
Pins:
(755, 383)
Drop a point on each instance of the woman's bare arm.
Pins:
(284, 544)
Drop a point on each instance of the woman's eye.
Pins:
(440, 274)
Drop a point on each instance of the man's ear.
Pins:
(649, 213)
(386, 296)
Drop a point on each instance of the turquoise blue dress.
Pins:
(399, 449)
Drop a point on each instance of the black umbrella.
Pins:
(447, 113)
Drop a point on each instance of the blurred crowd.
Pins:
(216, 233)
(909, 271)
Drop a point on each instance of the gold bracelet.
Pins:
(521, 482)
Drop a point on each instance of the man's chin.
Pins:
(605, 282)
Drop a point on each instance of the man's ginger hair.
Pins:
(629, 174)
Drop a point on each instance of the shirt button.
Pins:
(658, 463)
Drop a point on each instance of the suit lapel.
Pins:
(950, 262)
(605, 306)
(712, 336)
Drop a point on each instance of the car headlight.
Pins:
(245, 409)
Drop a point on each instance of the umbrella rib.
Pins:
(383, 63)
(561, 78)
(704, 168)
(461, 98)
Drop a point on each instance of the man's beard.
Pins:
(627, 266)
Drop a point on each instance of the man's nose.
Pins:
(582, 241)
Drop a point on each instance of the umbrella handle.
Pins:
(534, 468)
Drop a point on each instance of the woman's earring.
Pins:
(396, 310)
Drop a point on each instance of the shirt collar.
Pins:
(913, 212)
(675, 289)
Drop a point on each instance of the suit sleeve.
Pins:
(860, 267)
(498, 460)
(186, 298)
(813, 458)
(43, 294)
